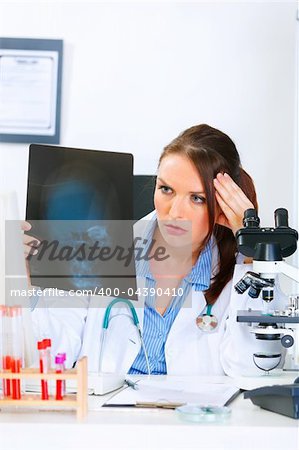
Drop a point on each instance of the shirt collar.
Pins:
(200, 275)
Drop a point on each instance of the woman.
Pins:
(190, 326)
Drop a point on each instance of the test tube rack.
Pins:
(76, 401)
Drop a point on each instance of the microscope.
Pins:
(267, 247)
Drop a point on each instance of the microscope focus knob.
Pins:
(287, 341)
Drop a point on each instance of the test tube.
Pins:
(7, 349)
(293, 304)
(16, 355)
(64, 381)
(43, 367)
(59, 362)
(2, 311)
(48, 344)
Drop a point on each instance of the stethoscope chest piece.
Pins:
(207, 322)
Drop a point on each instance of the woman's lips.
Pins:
(175, 231)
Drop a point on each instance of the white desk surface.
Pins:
(249, 427)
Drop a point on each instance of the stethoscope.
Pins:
(106, 324)
(207, 322)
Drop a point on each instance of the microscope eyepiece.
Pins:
(251, 219)
(281, 217)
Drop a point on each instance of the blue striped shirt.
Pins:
(155, 326)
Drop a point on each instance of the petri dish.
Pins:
(199, 413)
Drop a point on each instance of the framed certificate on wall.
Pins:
(30, 90)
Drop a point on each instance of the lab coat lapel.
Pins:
(122, 343)
(133, 344)
(131, 341)
(140, 281)
(187, 317)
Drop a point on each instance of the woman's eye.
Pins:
(198, 199)
(165, 189)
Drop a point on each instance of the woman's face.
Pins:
(180, 202)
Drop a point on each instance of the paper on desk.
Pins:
(34, 386)
(207, 394)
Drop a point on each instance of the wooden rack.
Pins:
(76, 401)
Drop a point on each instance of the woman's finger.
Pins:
(232, 201)
(229, 183)
(226, 209)
(229, 193)
(25, 226)
(232, 194)
(30, 240)
(30, 250)
(233, 221)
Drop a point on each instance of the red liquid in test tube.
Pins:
(43, 367)
(16, 365)
(6, 382)
(16, 357)
(59, 362)
(5, 348)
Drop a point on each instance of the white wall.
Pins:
(136, 74)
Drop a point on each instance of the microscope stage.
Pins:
(258, 317)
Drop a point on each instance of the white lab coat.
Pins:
(188, 350)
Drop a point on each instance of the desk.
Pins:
(248, 428)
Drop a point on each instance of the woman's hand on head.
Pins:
(232, 202)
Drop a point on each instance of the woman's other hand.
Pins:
(29, 245)
(232, 201)
(29, 242)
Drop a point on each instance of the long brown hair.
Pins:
(212, 151)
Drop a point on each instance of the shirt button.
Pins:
(160, 334)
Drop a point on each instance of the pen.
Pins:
(169, 405)
(132, 384)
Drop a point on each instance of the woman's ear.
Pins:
(218, 213)
(220, 219)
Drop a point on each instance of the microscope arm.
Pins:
(269, 268)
